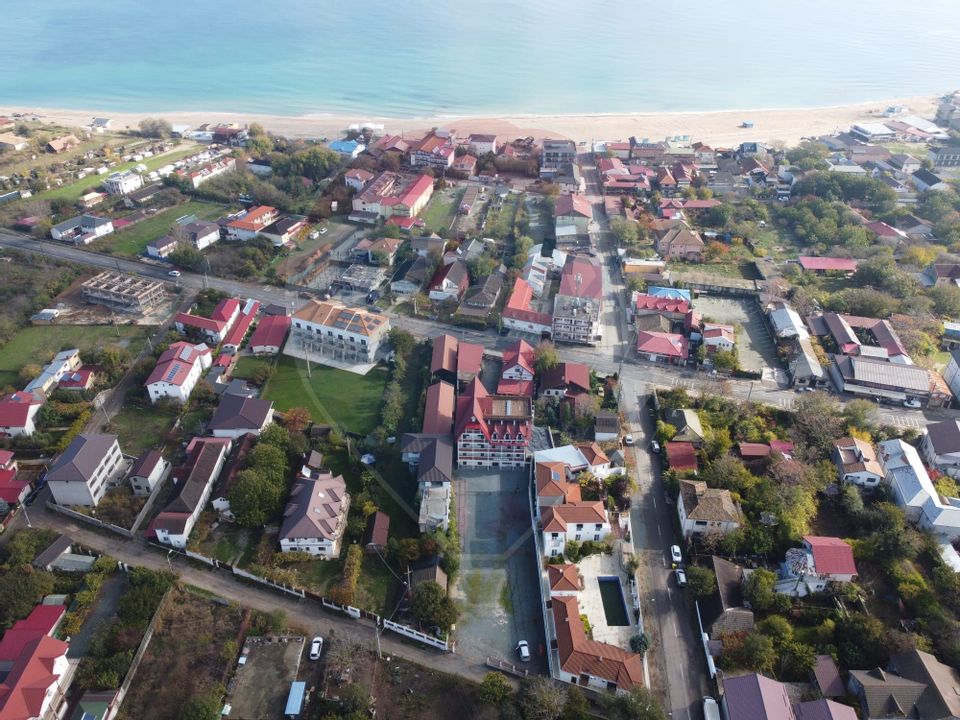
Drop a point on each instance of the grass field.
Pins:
(442, 208)
(247, 365)
(38, 344)
(331, 395)
(142, 428)
(132, 241)
(73, 191)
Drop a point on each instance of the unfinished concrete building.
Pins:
(123, 292)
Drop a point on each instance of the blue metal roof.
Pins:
(295, 698)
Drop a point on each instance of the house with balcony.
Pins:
(575, 521)
(177, 372)
(251, 223)
(81, 474)
(492, 430)
(578, 304)
(315, 517)
(326, 328)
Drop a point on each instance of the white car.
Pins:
(316, 647)
(681, 577)
(711, 710)
(911, 403)
(675, 554)
(174, 273)
(323, 231)
(523, 649)
(628, 440)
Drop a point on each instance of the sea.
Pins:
(414, 58)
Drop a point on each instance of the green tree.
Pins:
(778, 629)
(638, 704)
(494, 688)
(576, 706)
(640, 643)
(701, 581)
(254, 499)
(155, 128)
(431, 605)
(20, 589)
(541, 699)
(760, 593)
(625, 231)
(187, 257)
(203, 706)
(545, 357)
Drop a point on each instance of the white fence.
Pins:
(256, 578)
(346, 609)
(416, 635)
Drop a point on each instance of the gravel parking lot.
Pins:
(754, 345)
(498, 590)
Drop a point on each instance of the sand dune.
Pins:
(786, 126)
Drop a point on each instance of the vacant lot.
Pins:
(188, 655)
(754, 345)
(38, 344)
(132, 241)
(331, 395)
(263, 681)
(442, 209)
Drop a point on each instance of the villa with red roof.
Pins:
(438, 410)
(268, 337)
(37, 673)
(177, 372)
(518, 314)
(215, 327)
(17, 413)
(719, 337)
(234, 338)
(252, 222)
(662, 347)
(437, 149)
(516, 377)
(815, 566)
(566, 380)
(12, 490)
(822, 265)
(573, 210)
(492, 430)
(671, 308)
(564, 579)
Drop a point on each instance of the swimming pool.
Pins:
(614, 605)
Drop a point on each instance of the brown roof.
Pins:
(444, 354)
(563, 577)
(337, 316)
(579, 655)
(566, 374)
(203, 465)
(439, 408)
(552, 481)
(236, 412)
(556, 517)
(378, 529)
(593, 454)
(942, 696)
(573, 205)
(703, 503)
(828, 677)
(315, 508)
(855, 455)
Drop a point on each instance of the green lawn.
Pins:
(247, 366)
(73, 191)
(331, 395)
(132, 241)
(442, 208)
(40, 343)
(139, 428)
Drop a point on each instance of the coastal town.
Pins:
(410, 424)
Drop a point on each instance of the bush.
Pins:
(345, 592)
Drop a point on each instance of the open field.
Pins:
(38, 344)
(141, 426)
(73, 191)
(132, 241)
(186, 657)
(331, 395)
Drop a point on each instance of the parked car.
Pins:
(654, 447)
(911, 403)
(628, 440)
(174, 273)
(675, 554)
(711, 710)
(523, 649)
(681, 577)
(323, 231)
(316, 647)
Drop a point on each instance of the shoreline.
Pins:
(718, 127)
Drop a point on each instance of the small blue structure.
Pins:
(671, 293)
(350, 148)
(298, 691)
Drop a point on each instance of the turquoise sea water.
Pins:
(424, 57)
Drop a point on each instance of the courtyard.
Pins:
(755, 347)
(498, 591)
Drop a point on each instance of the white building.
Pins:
(177, 372)
(706, 511)
(148, 469)
(434, 507)
(64, 362)
(81, 473)
(914, 491)
(18, 411)
(941, 446)
(122, 183)
(82, 229)
(236, 416)
(331, 328)
(577, 521)
(316, 514)
(174, 525)
(857, 462)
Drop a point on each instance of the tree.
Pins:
(625, 231)
(254, 499)
(817, 422)
(545, 357)
(778, 629)
(186, 256)
(203, 706)
(701, 581)
(576, 706)
(297, 419)
(28, 372)
(21, 589)
(355, 698)
(540, 699)
(155, 128)
(760, 593)
(402, 341)
(638, 704)
(431, 605)
(494, 688)
(640, 643)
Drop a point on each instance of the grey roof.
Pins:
(57, 548)
(786, 321)
(436, 461)
(927, 177)
(82, 458)
(605, 421)
(418, 442)
(942, 695)
(729, 577)
(315, 508)
(146, 463)
(887, 374)
(944, 436)
(804, 363)
(236, 412)
(823, 710)
(828, 677)
(427, 570)
(70, 224)
(162, 241)
(684, 419)
(887, 694)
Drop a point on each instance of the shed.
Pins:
(295, 698)
(377, 534)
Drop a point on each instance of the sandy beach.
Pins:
(719, 129)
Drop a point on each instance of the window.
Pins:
(579, 526)
(596, 537)
(598, 526)
(554, 536)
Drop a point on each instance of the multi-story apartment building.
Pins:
(335, 330)
(579, 302)
(80, 475)
(492, 430)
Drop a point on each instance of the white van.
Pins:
(711, 711)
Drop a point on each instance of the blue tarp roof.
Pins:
(295, 698)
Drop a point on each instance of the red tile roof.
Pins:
(518, 305)
(242, 325)
(659, 343)
(520, 353)
(681, 455)
(750, 450)
(590, 278)
(198, 321)
(522, 388)
(579, 655)
(563, 577)
(573, 205)
(175, 363)
(469, 358)
(415, 191)
(444, 354)
(15, 409)
(808, 262)
(438, 409)
(25, 687)
(831, 555)
(255, 219)
(662, 304)
(10, 488)
(555, 518)
(270, 331)
(566, 374)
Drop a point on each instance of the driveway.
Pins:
(498, 590)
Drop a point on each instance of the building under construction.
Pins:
(126, 293)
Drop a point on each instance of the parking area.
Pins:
(754, 344)
(497, 590)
